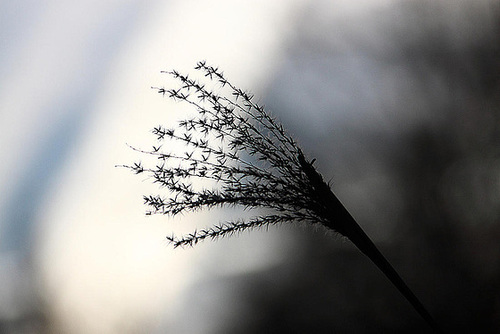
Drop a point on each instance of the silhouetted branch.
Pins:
(252, 162)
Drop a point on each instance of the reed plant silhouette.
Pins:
(250, 161)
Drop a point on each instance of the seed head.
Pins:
(249, 160)
(235, 143)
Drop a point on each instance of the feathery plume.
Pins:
(233, 143)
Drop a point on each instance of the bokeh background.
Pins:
(399, 101)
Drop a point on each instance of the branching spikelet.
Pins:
(250, 160)
(233, 142)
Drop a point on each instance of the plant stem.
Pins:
(350, 228)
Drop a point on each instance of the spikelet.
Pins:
(253, 163)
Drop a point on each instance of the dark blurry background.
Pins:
(401, 107)
(399, 102)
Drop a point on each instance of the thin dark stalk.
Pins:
(361, 240)
(339, 219)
